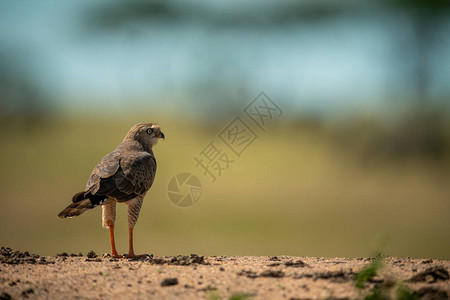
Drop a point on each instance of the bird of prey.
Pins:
(124, 175)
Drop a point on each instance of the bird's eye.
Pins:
(149, 131)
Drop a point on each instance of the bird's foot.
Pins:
(115, 254)
(112, 254)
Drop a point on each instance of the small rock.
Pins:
(157, 261)
(13, 283)
(296, 264)
(169, 281)
(5, 296)
(92, 254)
(197, 259)
(26, 292)
(274, 258)
(93, 260)
(272, 273)
(249, 274)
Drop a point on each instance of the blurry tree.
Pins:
(426, 18)
(114, 15)
(215, 85)
(21, 101)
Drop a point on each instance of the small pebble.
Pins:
(169, 281)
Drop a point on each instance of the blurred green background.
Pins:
(358, 162)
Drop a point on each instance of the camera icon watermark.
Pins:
(221, 153)
(184, 190)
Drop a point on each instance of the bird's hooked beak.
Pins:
(161, 135)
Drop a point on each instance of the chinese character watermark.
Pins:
(238, 136)
(262, 110)
(185, 189)
(213, 161)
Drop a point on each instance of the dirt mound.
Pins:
(431, 275)
(8, 256)
(179, 260)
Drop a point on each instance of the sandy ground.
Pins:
(24, 275)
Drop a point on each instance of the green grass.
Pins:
(403, 293)
(369, 271)
(392, 289)
(398, 292)
(294, 191)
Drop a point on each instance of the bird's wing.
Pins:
(138, 172)
(107, 167)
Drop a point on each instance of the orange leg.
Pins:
(113, 244)
(134, 207)
(130, 246)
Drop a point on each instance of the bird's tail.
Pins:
(79, 206)
(76, 209)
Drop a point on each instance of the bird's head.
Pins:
(147, 134)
